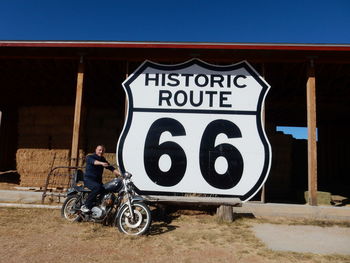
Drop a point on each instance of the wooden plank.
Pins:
(77, 114)
(311, 125)
(193, 200)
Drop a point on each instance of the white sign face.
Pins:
(195, 128)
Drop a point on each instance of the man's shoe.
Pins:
(84, 209)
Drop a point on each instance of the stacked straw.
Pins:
(40, 129)
(45, 134)
(34, 165)
(102, 127)
(47, 127)
(108, 175)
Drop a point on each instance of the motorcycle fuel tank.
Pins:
(114, 186)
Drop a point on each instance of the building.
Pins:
(59, 97)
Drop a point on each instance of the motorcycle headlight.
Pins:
(127, 175)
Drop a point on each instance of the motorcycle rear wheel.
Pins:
(69, 209)
(141, 223)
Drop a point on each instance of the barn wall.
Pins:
(38, 100)
(8, 138)
(334, 158)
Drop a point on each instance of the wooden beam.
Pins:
(193, 200)
(311, 125)
(77, 114)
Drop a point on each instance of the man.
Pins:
(95, 163)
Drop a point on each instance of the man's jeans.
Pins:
(96, 188)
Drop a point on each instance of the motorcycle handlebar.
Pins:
(125, 175)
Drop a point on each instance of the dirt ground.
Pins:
(40, 235)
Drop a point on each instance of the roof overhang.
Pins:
(178, 45)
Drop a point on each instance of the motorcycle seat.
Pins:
(77, 181)
(82, 189)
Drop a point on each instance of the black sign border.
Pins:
(243, 64)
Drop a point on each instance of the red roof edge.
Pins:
(177, 45)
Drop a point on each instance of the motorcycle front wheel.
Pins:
(70, 208)
(137, 226)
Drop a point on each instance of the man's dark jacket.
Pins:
(94, 172)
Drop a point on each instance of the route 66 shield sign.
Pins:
(195, 128)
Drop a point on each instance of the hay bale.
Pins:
(34, 165)
(41, 128)
(323, 198)
(111, 123)
(108, 175)
(45, 127)
(280, 178)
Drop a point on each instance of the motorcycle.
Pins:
(119, 205)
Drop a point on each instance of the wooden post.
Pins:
(225, 213)
(77, 114)
(311, 125)
(263, 194)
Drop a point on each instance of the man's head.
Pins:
(100, 150)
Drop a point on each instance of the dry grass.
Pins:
(38, 235)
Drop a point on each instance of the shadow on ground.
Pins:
(161, 221)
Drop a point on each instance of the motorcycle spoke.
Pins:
(70, 211)
(136, 226)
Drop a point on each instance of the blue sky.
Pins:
(296, 132)
(205, 21)
(267, 21)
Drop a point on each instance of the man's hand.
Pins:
(116, 172)
(104, 164)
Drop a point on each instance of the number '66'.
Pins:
(208, 154)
